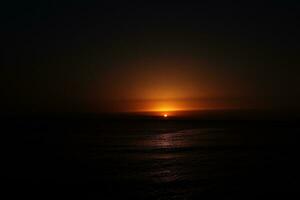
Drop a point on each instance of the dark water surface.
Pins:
(150, 159)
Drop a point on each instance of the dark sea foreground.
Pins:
(57, 158)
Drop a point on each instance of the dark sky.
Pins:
(93, 56)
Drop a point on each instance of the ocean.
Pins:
(149, 159)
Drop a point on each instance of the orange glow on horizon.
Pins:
(164, 85)
(172, 107)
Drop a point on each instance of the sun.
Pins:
(165, 115)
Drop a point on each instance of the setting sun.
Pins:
(165, 115)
